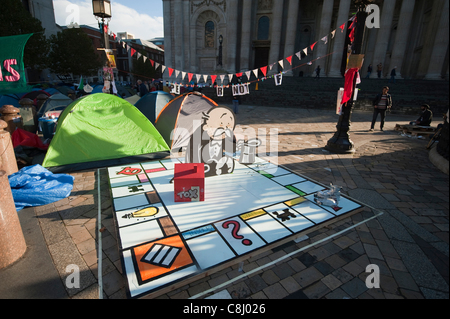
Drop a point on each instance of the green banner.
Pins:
(12, 70)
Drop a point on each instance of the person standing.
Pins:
(393, 75)
(379, 70)
(381, 103)
(318, 72)
(369, 71)
(142, 88)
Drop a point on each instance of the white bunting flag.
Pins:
(222, 77)
(183, 75)
(255, 72)
(205, 78)
(198, 76)
(281, 62)
(248, 74)
(299, 55)
(305, 51)
(156, 65)
(325, 39)
(230, 77)
(163, 67)
(333, 33)
(177, 73)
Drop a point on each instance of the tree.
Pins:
(141, 69)
(15, 20)
(72, 52)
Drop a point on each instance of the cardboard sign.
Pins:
(355, 61)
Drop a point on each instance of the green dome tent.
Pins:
(152, 103)
(101, 127)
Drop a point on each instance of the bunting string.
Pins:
(188, 76)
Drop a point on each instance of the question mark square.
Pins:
(239, 235)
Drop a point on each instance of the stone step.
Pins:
(407, 95)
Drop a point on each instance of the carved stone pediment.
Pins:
(207, 3)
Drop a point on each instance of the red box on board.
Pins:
(189, 182)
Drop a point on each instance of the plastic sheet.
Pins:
(36, 186)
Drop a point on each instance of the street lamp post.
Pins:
(220, 50)
(102, 11)
(340, 143)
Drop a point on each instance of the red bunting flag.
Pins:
(213, 78)
(342, 27)
(264, 70)
(312, 46)
(114, 35)
(105, 28)
(133, 51)
(152, 62)
(353, 28)
(190, 75)
(289, 58)
(170, 71)
(239, 75)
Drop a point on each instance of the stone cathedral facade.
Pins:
(413, 36)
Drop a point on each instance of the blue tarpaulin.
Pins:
(37, 186)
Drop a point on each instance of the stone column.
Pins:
(231, 39)
(178, 35)
(387, 13)
(246, 34)
(291, 31)
(339, 39)
(275, 35)
(167, 34)
(401, 38)
(325, 26)
(12, 242)
(440, 47)
(186, 37)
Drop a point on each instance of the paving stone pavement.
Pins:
(389, 173)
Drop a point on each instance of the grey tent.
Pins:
(152, 104)
(55, 102)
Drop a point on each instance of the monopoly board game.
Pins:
(163, 242)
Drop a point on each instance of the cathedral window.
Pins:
(263, 28)
(209, 34)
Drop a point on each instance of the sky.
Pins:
(142, 18)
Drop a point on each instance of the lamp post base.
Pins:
(340, 143)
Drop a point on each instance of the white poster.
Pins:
(219, 90)
(278, 79)
(240, 89)
(175, 88)
(340, 95)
